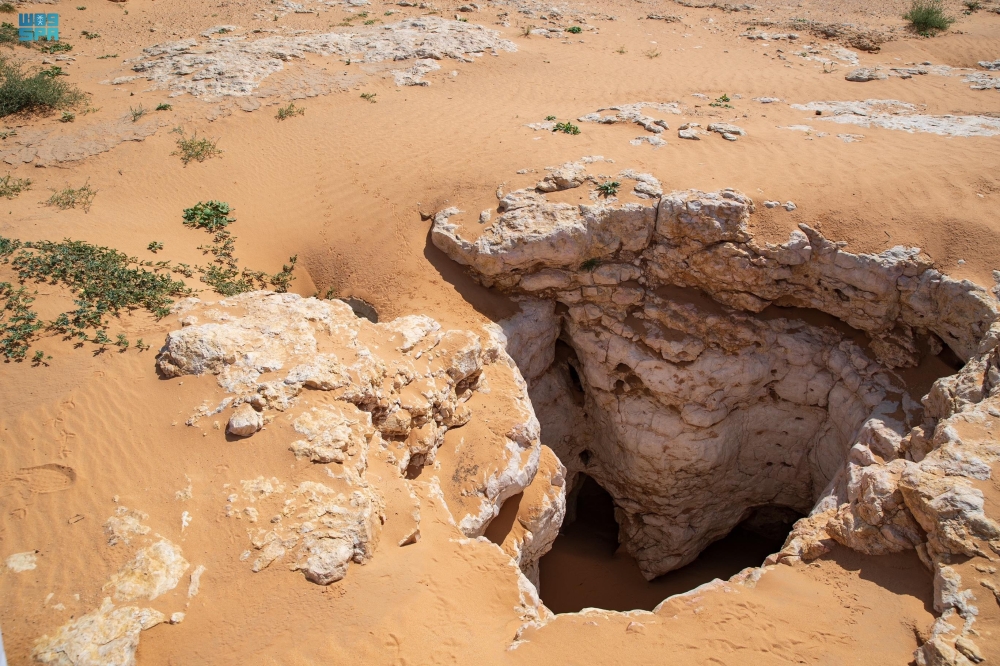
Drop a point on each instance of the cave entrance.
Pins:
(587, 567)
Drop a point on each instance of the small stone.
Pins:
(968, 649)
(863, 74)
(730, 137)
(177, 618)
(789, 206)
(771, 204)
(484, 217)
(688, 134)
(245, 421)
(635, 628)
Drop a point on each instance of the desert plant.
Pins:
(927, 17)
(526, 30)
(722, 102)
(972, 5)
(18, 322)
(90, 35)
(651, 53)
(195, 149)
(136, 113)
(107, 55)
(208, 215)
(22, 91)
(163, 106)
(103, 281)
(550, 118)
(621, 50)
(226, 277)
(609, 188)
(81, 7)
(289, 111)
(370, 97)
(566, 128)
(8, 33)
(155, 247)
(56, 47)
(69, 197)
(590, 264)
(53, 71)
(67, 117)
(10, 187)
(574, 29)
(7, 8)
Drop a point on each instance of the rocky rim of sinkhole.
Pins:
(699, 375)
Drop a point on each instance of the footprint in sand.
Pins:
(41, 479)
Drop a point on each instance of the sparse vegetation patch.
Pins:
(566, 128)
(40, 90)
(10, 187)
(927, 17)
(71, 198)
(609, 188)
(208, 215)
(104, 281)
(286, 112)
(194, 149)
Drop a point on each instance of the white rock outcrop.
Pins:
(392, 389)
(233, 65)
(692, 400)
(689, 411)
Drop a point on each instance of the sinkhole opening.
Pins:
(362, 309)
(587, 567)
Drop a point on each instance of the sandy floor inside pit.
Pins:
(344, 187)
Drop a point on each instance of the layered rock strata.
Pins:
(671, 358)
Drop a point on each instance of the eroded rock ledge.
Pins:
(659, 367)
(392, 390)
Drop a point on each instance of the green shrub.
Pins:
(56, 47)
(10, 187)
(163, 106)
(609, 188)
(71, 198)
(722, 102)
(155, 247)
(576, 30)
(39, 90)
(369, 97)
(590, 264)
(7, 8)
(566, 128)
(208, 215)
(8, 33)
(67, 117)
(90, 35)
(928, 17)
(136, 113)
(195, 149)
(289, 111)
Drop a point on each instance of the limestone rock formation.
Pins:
(694, 377)
(394, 390)
(107, 636)
(233, 65)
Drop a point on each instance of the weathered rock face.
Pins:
(392, 389)
(680, 401)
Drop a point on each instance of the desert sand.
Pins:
(409, 491)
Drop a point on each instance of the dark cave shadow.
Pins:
(486, 302)
(899, 573)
